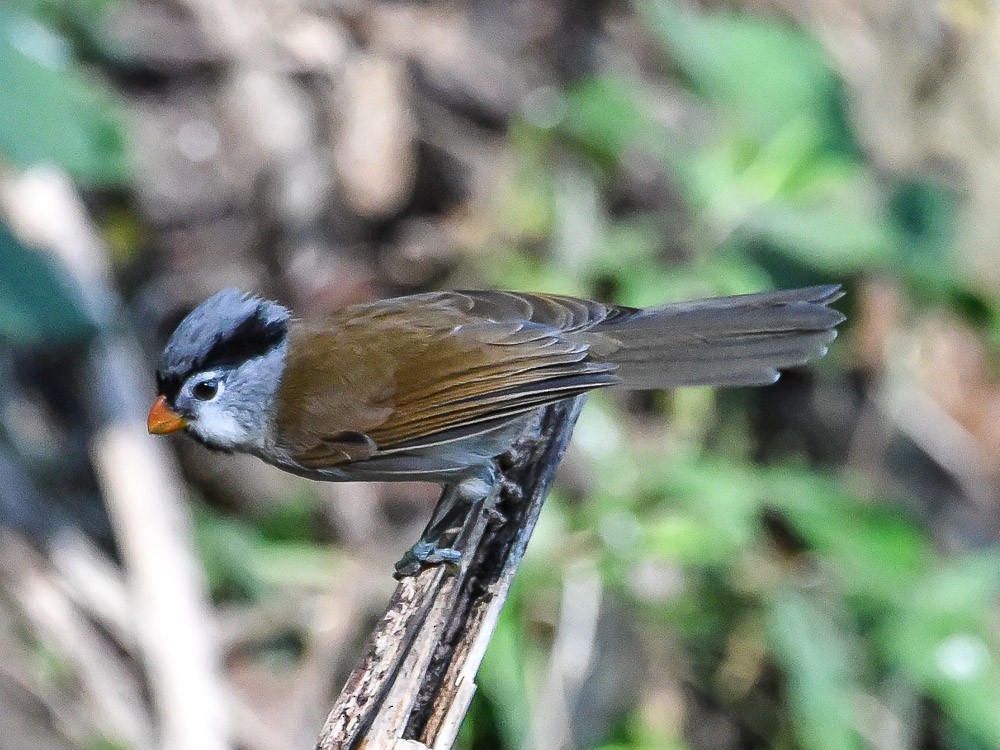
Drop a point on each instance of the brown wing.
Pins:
(396, 374)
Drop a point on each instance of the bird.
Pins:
(435, 386)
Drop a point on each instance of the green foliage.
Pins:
(503, 675)
(857, 610)
(868, 611)
(773, 177)
(106, 744)
(761, 73)
(809, 647)
(243, 561)
(944, 639)
(38, 302)
(784, 173)
(790, 584)
(53, 112)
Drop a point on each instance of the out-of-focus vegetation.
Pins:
(811, 565)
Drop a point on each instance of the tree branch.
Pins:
(416, 678)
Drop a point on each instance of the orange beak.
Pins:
(162, 419)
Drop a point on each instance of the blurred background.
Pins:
(808, 566)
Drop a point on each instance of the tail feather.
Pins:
(740, 340)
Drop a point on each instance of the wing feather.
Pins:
(411, 373)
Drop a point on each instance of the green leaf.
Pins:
(501, 677)
(107, 744)
(814, 658)
(763, 71)
(725, 499)
(605, 117)
(875, 552)
(52, 112)
(832, 236)
(241, 564)
(686, 540)
(926, 216)
(944, 639)
(38, 302)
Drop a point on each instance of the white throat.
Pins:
(221, 429)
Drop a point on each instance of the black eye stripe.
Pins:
(169, 385)
(253, 337)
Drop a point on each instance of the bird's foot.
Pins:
(425, 553)
(455, 515)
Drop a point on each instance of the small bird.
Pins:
(433, 387)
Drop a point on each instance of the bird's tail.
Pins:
(740, 340)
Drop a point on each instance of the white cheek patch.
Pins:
(217, 427)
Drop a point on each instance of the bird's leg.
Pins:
(456, 511)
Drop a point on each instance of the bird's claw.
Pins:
(424, 553)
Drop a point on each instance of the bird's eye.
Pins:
(206, 390)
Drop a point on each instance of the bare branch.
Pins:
(114, 694)
(416, 679)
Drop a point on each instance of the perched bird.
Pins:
(433, 387)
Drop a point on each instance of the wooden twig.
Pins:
(416, 678)
(111, 693)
